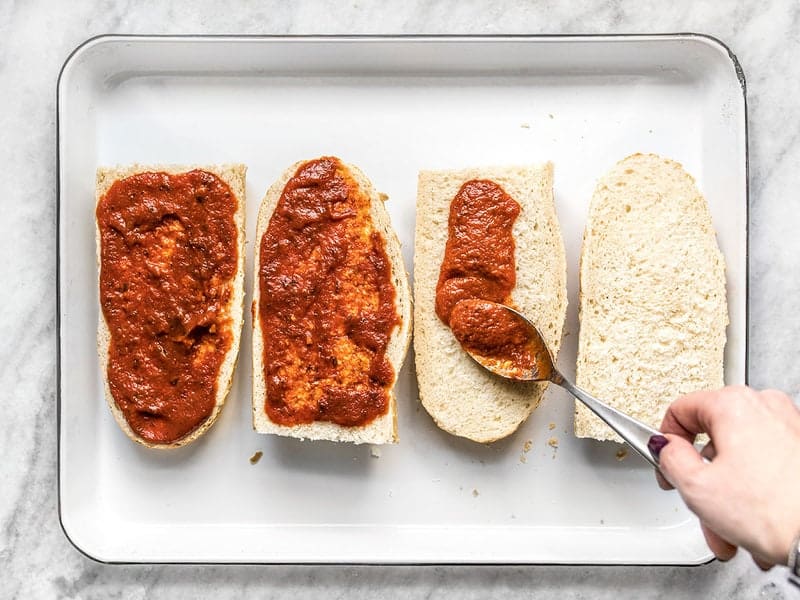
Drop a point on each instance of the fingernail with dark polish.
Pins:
(656, 444)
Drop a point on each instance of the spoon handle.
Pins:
(634, 432)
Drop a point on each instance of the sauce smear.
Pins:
(478, 271)
(479, 254)
(327, 302)
(168, 255)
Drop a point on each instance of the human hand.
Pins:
(749, 496)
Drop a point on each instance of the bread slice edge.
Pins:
(383, 429)
(234, 175)
(462, 398)
(696, 210)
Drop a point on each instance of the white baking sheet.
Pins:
(391, 106)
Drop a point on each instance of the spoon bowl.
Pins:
(502, 340)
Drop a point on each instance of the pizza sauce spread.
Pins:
(479, 264)
(327, 302)
(168, 255)
(500, 339)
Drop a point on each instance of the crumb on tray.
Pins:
(256, 457)
(622, 453)
(375, 452)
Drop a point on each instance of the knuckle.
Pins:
(740, 393)
(735, 401)
(776, 397)
(736, 387)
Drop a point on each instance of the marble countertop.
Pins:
(35, 38)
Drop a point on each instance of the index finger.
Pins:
(691, 414)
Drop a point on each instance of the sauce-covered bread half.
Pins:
(331, 308)
(170, 252)
(653, 310)
(491, 234)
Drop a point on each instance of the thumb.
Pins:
(679, 461)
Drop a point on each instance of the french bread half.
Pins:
(383, 429)
(463, 398)
(653, 310)
(234, 176)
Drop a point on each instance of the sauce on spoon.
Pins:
(501, 340)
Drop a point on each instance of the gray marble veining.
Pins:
(35, 38)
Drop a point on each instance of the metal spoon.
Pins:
(531, 361)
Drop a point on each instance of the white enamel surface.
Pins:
(391, 107)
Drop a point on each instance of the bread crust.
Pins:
(382, 430)
(461, 397)
(233, 175)
(653, 310)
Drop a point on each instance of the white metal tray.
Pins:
(392, 106)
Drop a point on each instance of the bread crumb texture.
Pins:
(653, 310)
